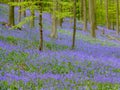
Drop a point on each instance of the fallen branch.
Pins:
(113, 38)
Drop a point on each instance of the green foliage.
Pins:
(24, 21)
(4, 85)
(4, 1)
(107, 86)
(17, 85)
(17, 56)
(13, 60)
(117, 70)
(87, 85)
(3, 11)
(55, 47)
(60, 69)
(55, 68)
(1, 37)
(2, 54)
(12, 40)
(9, 39)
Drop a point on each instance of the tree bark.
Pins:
(19, 13)
(24, 12)
(32, 23)
(60, 20)
(54, 21)
(107, 17)
(81, 9)
(11, 15)
(92, 17)
(74, 31)
(95, 14)
(117, 17)
(41, 31)
(85, 15)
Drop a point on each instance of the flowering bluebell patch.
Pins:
(93, 64)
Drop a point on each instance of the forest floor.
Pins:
(94, 64)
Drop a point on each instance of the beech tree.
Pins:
(81, 9)
(19, 12)
(40, 23)
(54, 20)
(11, 15)
(74, 30)
(117, 16)
(107, 17)
(85, 15)
(92, 17)
(32, 10)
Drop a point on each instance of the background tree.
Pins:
(74, 31)
(11, 14)
(85, 15)
(41, 32)
(19, 12)
(54, 20)
(32, 10)
(117, 16)
(92, 17)
(81, 9)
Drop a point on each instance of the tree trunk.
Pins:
(85, 15)
(60, 20)
(117, 17)
(19, 13)
(74, 32)
(11, 15)
(107, 17)
(41, 31)
(81, 9)
(95, 14)
(24, 12)
(32, 23)
(54, 21)
(92, 17)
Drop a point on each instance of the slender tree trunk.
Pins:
(74, 31)
(24, 12)
(41, 31)
(19, 13)
(113, 20)
(32, 23)
(107, 17)
(81, 9)
(11, 15)
(85, 15)
(101, 3)
(117, 17)
(95, 14)
(92, 17)
(60, 20)
(54, 21)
